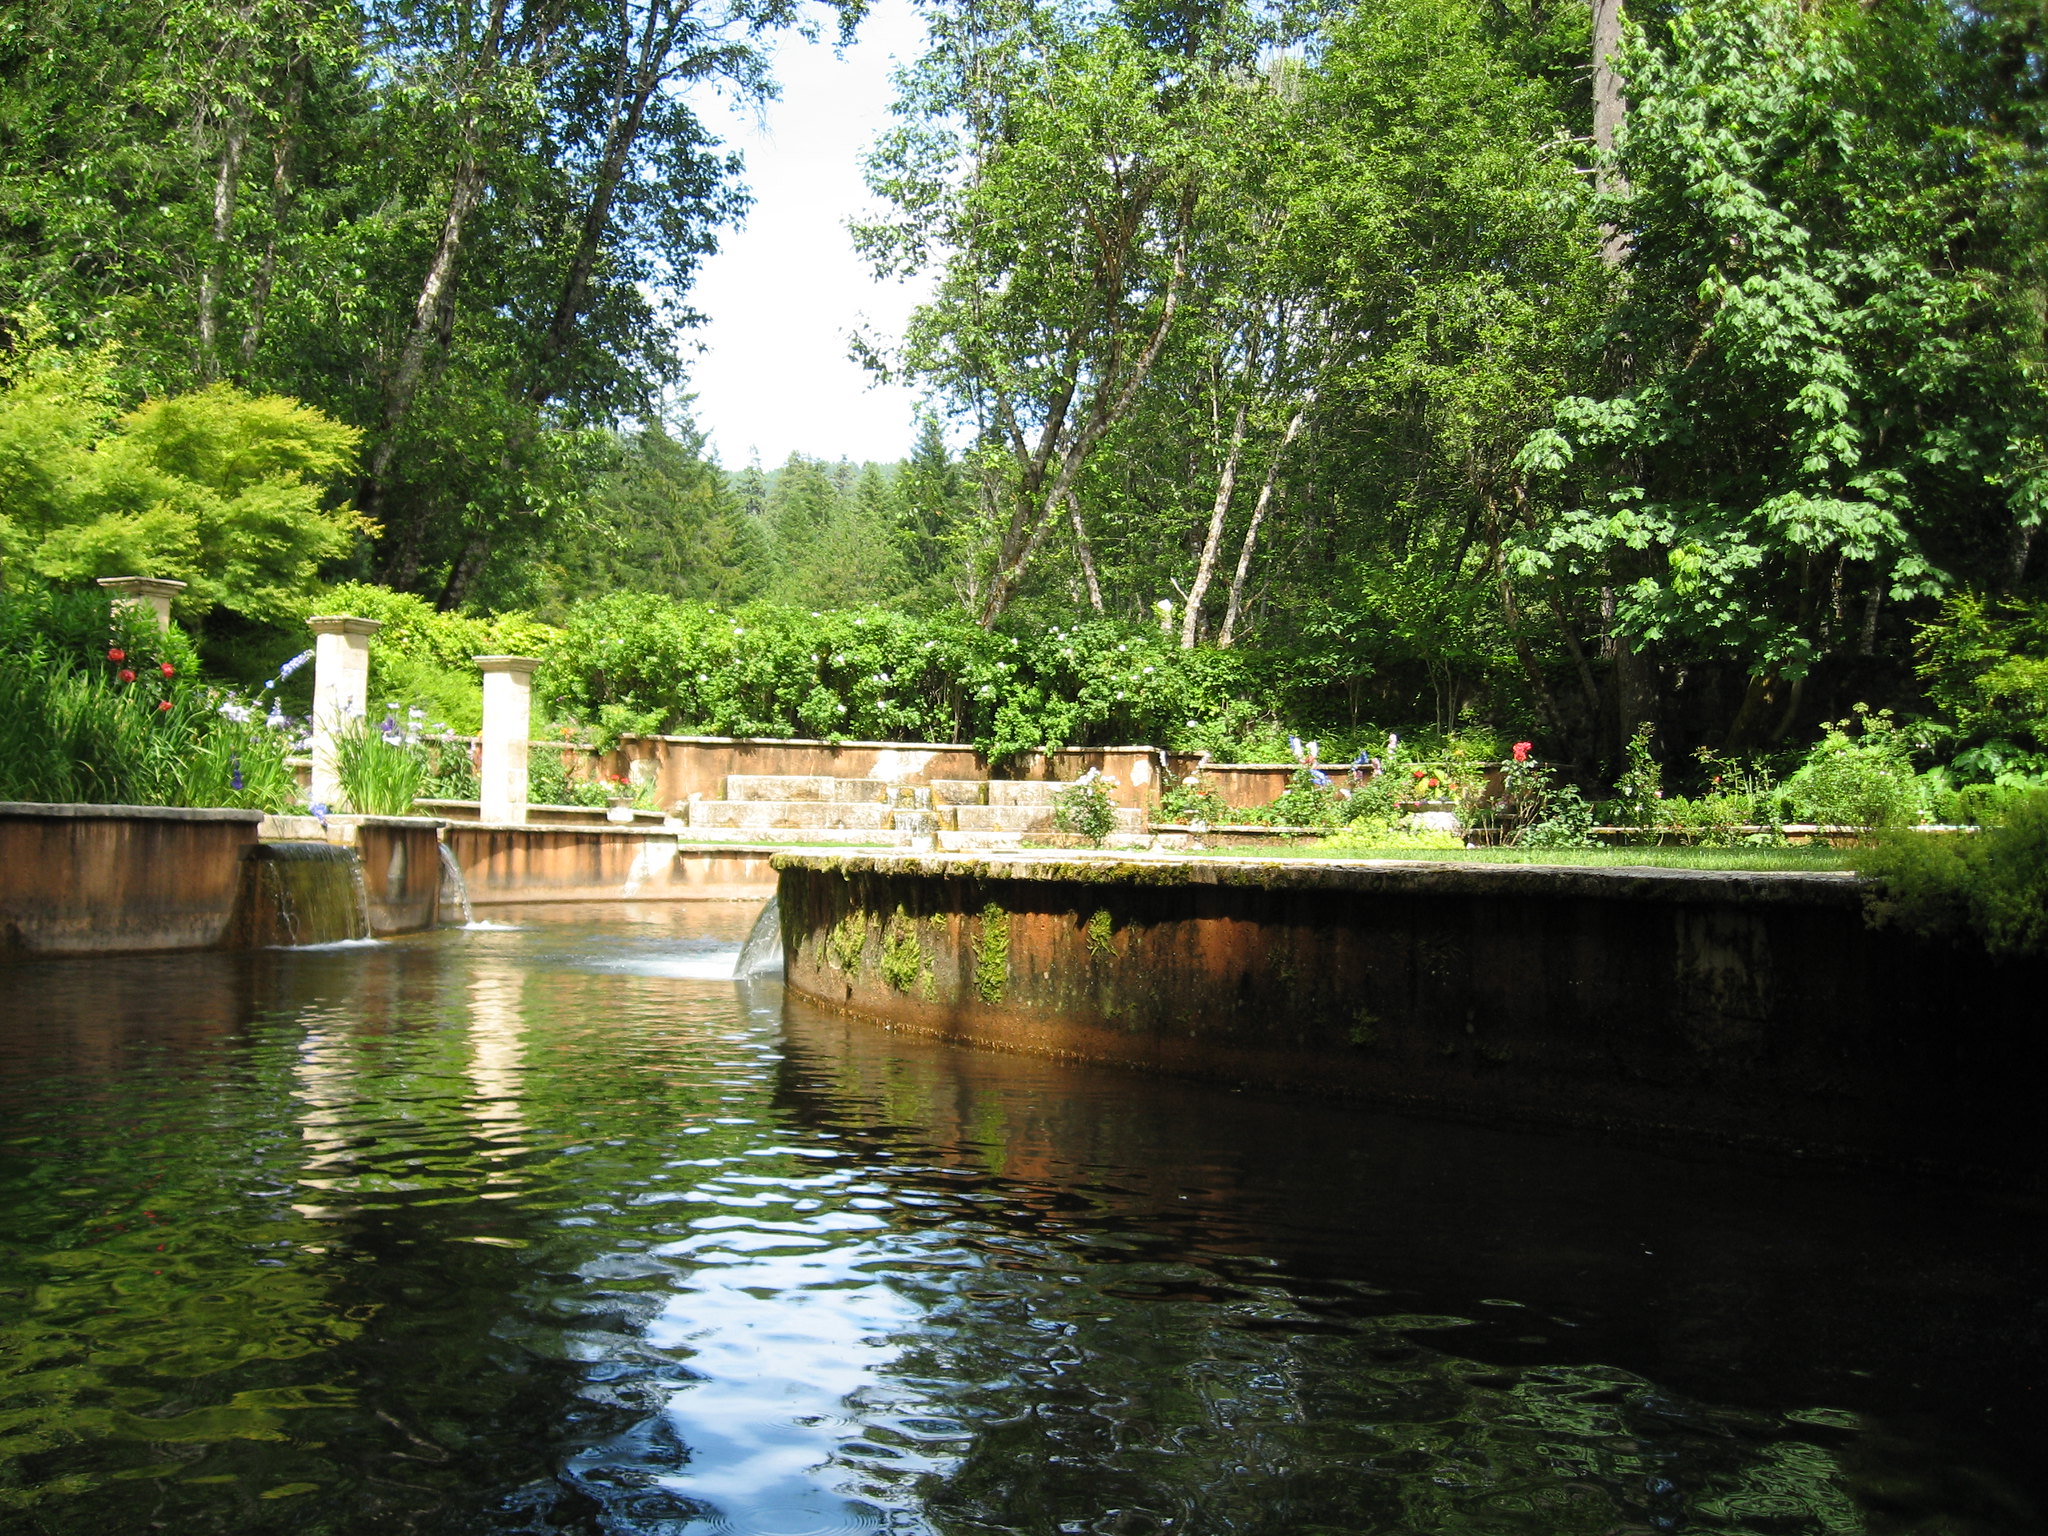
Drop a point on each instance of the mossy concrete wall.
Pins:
(1754, 1009)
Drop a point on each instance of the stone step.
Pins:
(780, 788)
(796, 836)
(816, 815)
(1023, 791)
(959, 791)
(1028, 818)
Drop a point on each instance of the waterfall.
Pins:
(761, 955)
(454, 889)
(302, 893)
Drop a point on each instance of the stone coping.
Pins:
(887, 746)
(1403, 877)
(73, 812)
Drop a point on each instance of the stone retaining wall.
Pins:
(504, 863)
(104, 879)
(1754, 1009)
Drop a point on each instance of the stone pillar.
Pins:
(150, 592)
(341, 692)
(508, 717)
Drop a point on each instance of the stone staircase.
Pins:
(948, 814)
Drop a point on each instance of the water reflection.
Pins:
(550, 1229)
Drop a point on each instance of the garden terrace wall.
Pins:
(504, 863)
(1754, 1009)
(106, 879)
(698, 765)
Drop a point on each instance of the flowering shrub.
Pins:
(1190, 800)
(1085, 806)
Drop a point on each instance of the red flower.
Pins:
(1522, 750)
(169, 670)
(1433, 781)
(127, 676)
(117, 654)
(1420, 772)
(165, 704)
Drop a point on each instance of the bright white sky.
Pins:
(785, 291)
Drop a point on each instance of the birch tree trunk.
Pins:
(1226, 482)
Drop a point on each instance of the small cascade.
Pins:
(296, 893)
(455, 905)
(761, 955)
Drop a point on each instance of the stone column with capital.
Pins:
(508, 720)
(152, 594)
(341, 693)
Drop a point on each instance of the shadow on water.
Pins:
(550, 1228)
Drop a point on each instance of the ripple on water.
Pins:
(554, 1229)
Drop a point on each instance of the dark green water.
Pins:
(552, 1230)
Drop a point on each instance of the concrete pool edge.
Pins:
(1723, 1007)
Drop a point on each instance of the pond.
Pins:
(552, 1228)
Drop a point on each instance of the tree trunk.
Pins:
(1226, 482)
(225, 181)
(1610, 110)
(1235, 605)
(1087, 555)
(280, 201)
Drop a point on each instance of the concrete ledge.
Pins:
(1752, 1009)
(58, 812)
(1416, 877)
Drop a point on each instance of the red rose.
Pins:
(1522, 750)
(127, 676)
(169, 670)
(117, 654)
(165, 704)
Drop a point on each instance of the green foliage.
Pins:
(1085, 808)
(381, 767)
(72, 729)
(225, 491)
(661, 519)
(1639, 793)
(1822, 360)
(551, 779)
(1984, 662)
(426, 658)
(1860, 774)
(1101, 934)
(1566, 822)
(1379, 837)
(875, 674)
(1991, 885)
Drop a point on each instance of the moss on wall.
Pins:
(992, 956)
